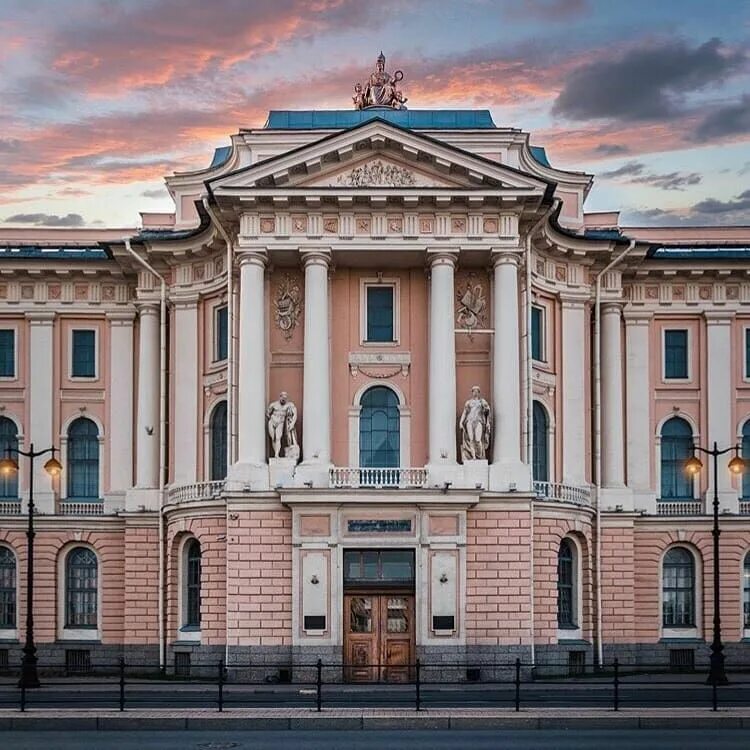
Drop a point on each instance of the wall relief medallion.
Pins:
(377, 174)
(471, 310)
(288, 305)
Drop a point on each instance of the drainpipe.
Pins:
(231, 458)
(162, 442)
(528, 422)
(598, 439)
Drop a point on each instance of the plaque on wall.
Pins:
(379, 526)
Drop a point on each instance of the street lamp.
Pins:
(717, 674)
(8, 466)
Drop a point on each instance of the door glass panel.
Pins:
(360, 614)
(398, 565)
(398, 615)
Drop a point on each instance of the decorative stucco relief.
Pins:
(379, 364)
(471, 302)
(378, 174)
(287, 305)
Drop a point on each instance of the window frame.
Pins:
(745, 594)
(549, 456)
(744, 442)
(687, 630)
(71, 338)
(13, 329)
(215, 333)
(211, 446)
(395, 284)
(688, 354)
(187, 630)
(746, 353)
(15, 476)
(78, 632)
(543, 358)
(9, 628)
(572, 631)
(659, 445)
(67, 459)
(397, 408)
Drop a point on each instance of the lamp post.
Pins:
(9, 465)
(717, 674)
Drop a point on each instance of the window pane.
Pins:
(8, 445)
(7, 588)
(747, 352)
(84, 354)
(678, 587)
(7, 353)
(746, 592)
(360, 614)
(221, 333)
(540, 443)
(676, 448)
(219, 442)
(193, 584)
(746, 455)
(81, 589)
(537, 329)
(675, 354)
(380, 313)
(83, 460)
(379, 429)
(566, 586)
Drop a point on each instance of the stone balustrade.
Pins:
(563, 493)
(355, 476)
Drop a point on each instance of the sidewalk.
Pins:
(309, 719)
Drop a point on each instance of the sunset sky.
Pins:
(100, 98)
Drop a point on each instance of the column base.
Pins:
(247, 477)
(312, 474)
(510, 476)
(616, 499)
(438, 475)
(141, 498)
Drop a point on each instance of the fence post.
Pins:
(23, 696)
(221, 685)
(319, 685)
(518, 684)
(419, 686)
(121, 665)
(617, 684)
(714, 695)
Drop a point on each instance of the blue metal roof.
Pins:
(700, 253)
(416, 119)
(53, 253)
(603, 234)
(540, 155)
(220, 156)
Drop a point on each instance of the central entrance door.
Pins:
(379, 630)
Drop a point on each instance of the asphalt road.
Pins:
(726, 739)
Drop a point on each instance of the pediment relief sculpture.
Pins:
(378, 174)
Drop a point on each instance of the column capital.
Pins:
(121, 317)
(502, 257)
(252, 257)
(147, 308)
(637, 317)
(315, 256)
(719, 317)
(610, 307)
(41, 317)
(442, 257)
(185, 302)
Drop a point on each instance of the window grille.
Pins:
(83, 357)
(7, 353)
(81, 589)
(77, 661)
(83, 460)
(576, 663)
(678, 589)
(8, 447)
(566, 615)
(682, 659)
(7, 588)
(193, 584)
(182, 663)
(379, 429)
(380, 313)
(675, 354)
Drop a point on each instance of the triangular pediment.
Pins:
(378, 155)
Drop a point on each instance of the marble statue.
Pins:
(476, 426)
(282, 426)
(381, 90)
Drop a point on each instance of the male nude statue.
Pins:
(282, 420)
(475, 425)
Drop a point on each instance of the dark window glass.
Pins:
(379, 432)
(746, 455)
(84, 354)
(746, 591)
(221, 333)
(83, 460)
(566, 614)
(8, 446)
(747, 352)
(193, 584)
(678, 589)
(219, 442)
(676, 448)
(537, 333)
(7, 353)
(380, 313)
(7, 588)
(81, 589)
(541, 442)
(370, 566)
(675, 354)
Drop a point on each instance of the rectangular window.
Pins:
(537, 334)
(676, 354)
(83, 359)
(7, 353)
(380, 313)
(221, 334)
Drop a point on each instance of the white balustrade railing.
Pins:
(186, 493)
(745, 507)
(81, 508)
(10, 507)
(679, 508)
(355, 476)
(563, 493)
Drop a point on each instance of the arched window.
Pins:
(567, 617)
(746, 455)
(81, 588)
(192, 585)
(379, 438)
(219, 442)
(8, 446)
(7, 588)
(746, 592)
(678, 589)
(676, 448)
(540, 449)
(83, 460)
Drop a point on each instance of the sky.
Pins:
(99, 99)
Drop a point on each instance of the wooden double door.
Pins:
(379, 636)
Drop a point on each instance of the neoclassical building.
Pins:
(374, 266)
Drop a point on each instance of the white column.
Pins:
(638, 396)
(148, 427)
(442, 365)
(720, 399)
(507, 472)
(613, 457)
(574, 380)
(185, 415)
(41, 401)
(316, 396)
(251, 469)
(120, 398)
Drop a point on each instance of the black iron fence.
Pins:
(421, 685)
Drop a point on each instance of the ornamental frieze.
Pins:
(287, 305)
(471, 302)
(377, 174)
